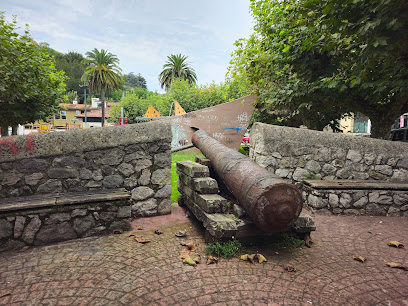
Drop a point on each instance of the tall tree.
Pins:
(176, 67)
(136, 80)
(312, 60)
(103, 74)
(30, 86)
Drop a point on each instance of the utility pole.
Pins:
(84, 86)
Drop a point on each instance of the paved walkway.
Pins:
(116, 270)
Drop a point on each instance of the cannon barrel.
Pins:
(272, 203)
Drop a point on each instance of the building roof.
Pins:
(95, 113)
(71, 106)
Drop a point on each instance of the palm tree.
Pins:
(176, 66)
(104, 72)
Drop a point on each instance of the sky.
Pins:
(141, 33)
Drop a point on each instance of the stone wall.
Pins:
(299, 154)
(135, 157)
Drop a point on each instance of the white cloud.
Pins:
(141, 33)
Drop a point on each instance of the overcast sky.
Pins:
(142, 33)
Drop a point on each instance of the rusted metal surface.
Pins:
(272, 203)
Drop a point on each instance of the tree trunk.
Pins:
(381, 127)
(4, 130)
(14, 129)
(103, 106)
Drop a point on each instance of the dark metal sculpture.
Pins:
(272, 203)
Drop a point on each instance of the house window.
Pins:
(77, 112)
(63, 115)
(360, 123)
(57, 116)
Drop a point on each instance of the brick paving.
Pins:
(116, 270)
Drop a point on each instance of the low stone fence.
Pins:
(133, 158)
(300, 154)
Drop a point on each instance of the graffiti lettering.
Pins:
(219, 136)
(9, 142)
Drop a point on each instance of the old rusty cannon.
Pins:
(272, 203)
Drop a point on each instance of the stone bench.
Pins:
(357, 197)
(49, 218)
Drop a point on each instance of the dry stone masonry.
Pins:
(134, 159)
(299, 154)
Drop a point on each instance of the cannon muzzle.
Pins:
(273, 204)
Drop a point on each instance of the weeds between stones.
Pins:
(226, 249)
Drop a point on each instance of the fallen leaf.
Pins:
(142, 240)
(360, 259)
(189, 261)
(25, 248)
(396, 265)
(140, 228)
(117, 231)
(395, 244)
(157, 232)
(191, 246)
(290, 268)
(196, 257)
(212, 259)
(131, 234)
(184, 253)
(181, 233)
(261, 258)
(252, 258)
(308, 241)
(244, 257)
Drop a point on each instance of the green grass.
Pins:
(175, 157)
(224, 249)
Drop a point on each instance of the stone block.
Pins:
(6, 229)
(164, 192)
(82, 225)
(362, 202)
(107, 216)
(210, 203)
(374, 210)
(123, 225)
(145, 208)
(142, 193)
(30, 230)
(141, 164)
(393, 212)
(345, 200)
(33, 179)
(380, 198)
(124, 212)
(316, 201)
(18, 226)
(113, 181)
(31, 165)
(62, 173)
(161, 177)
(304, 224)
(79, 212)
(113, 157)
(203, 185)
(193, 169)
(162, 160)
(164, 207)
(300, 174)
(145, 177)
(333, 200)
(11, 178)
(126, 169)
(238, 211)
(55, 233)
(57, 218)
(50, 186)
(203, 161)
(93, 184)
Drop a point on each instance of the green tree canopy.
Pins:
(176, 67)
(103, 73)
(191, 98)
(313, 60)
(30, 86)
(135, 80)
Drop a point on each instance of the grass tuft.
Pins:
(224, 249)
